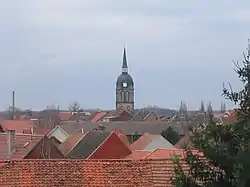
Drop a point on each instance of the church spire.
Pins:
(124, 63)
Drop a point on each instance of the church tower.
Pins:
(125, 88)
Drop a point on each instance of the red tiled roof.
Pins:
(64, 116)
(70, 143)
(24, 143)
(41, 131)
(90, 173)
(98, 116)
(168, 153)
(112, 148)
(159, 154)
(138, 154)
(122, 136)
(184, 142)
(18, 125)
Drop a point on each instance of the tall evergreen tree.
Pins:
(210, 112)
(183, 109)
(202, 107)
(223, 107)
(225, 147)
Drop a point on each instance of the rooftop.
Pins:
(91, 173)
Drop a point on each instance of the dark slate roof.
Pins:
(128, 127)
(88, 144)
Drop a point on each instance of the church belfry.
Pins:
(125, 88)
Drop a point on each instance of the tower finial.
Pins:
(124, 63)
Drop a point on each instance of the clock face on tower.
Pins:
(124, 85)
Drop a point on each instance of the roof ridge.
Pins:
(76, 143)
(128, 148)
(100, 145)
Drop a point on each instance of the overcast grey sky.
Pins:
(58, 51)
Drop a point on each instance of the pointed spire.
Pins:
(124, 63)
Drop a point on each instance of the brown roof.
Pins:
(70, 143)
(91, 173)
(24, 143)
(184, 142)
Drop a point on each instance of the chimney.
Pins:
(13, 100)
(101, 127)
(11, 137)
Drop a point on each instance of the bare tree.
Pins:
(74, 107)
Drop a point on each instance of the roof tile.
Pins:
(23, 144)
(98, 116)
(70, 143)
(88, 144)
(91, 173)
(18, 125)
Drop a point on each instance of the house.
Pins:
(150, 142)
(90, 173)
(66, 146)
(132, 129)
(95, 145)
(26, 146)
(86, 145)
(115, 146)
(58, 135)
(144, 115)
(64, 116)
(19, 126)
(97, 116)
(120, 115)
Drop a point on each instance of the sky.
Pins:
(54, 52)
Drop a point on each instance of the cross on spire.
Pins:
(124, 62)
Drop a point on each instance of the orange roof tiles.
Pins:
(138, 154)
(112, 148)
(90, 173)
(64, 115)
(98, 116)
(23, 144)
(168, 153)
(18, 125)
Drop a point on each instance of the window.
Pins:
(123, 96)
(127, 97)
